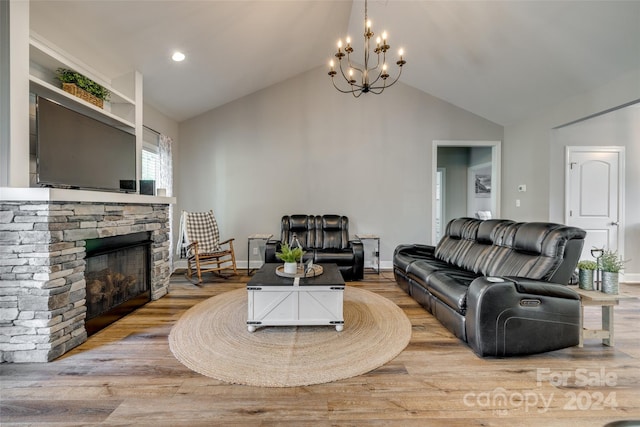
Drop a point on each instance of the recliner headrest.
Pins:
(531, 235)
(486, 228)
(332, 222)
(298, 222)
(456, 227)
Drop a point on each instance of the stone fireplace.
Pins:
(44, 277)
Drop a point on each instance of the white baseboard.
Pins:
(388, 265)
(181, 264)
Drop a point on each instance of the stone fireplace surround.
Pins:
(42, 264)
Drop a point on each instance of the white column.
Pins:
(14, 86)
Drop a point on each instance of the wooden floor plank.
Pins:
(126, 375)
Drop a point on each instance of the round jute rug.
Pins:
(211, 338)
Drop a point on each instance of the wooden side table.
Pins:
(607, 302)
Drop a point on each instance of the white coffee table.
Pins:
(275, 301)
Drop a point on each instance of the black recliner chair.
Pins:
(325, 240)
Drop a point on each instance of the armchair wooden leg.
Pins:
(233, 258)
(198, 270)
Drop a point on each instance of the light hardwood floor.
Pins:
(126, 375)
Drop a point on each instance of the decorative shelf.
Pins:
(45, 59)
(11, 194)
(47, 90)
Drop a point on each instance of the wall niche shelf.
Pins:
(47, 90)
(45, 59)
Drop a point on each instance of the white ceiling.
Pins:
(502, 60)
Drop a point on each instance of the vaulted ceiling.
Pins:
(502, 60)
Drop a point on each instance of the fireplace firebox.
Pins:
(117, 278)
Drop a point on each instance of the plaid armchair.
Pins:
(203, 249)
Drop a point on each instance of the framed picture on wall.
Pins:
(483, 185)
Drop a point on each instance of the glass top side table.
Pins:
(375, 254)
(255, 240)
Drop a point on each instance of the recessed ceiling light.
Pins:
(178, 56)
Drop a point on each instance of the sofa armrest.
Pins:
(416, 250)
(270, 250)
(358, 259)
(510, 316)
(542, 288)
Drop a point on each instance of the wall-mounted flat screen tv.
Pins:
(77, 151)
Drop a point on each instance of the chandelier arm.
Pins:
(342, 90)
(377, 78)
(390, 84)
(378, 64)
(351, 65)
(345, 76)
(377, 90)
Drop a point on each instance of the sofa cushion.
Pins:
(459, 236)
(421, 270)
(332, 232)
(450, 287)
(535, 253)
(302, 226)
(408, 254)
(333, 257)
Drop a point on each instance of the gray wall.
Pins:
(302, 147)
(529, 158)
(622, 128)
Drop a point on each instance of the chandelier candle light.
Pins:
(369, 77)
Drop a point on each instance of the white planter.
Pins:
(290, 267)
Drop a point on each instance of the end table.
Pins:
(252, 238)
(607, 302)
(376, 254)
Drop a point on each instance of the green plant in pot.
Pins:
(290, 257)
(585, 274)
(69, 76)
(611, 264)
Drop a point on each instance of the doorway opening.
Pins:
(478, 158)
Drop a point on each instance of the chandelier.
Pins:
(370, 79)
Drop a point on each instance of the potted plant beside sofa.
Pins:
(585, 274)
(611, 264)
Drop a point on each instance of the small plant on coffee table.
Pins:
(288, 254)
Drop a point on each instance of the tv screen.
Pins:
(77, 151)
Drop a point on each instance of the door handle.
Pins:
(616, 223)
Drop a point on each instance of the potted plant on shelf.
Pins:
(290, 257)
(585, 274)
(611, 264)
(82, 87)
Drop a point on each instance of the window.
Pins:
(150, 155)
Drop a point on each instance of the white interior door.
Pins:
(595, 189)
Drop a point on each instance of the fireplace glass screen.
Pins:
(117, 282)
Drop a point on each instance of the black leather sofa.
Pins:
(498, 285)
(325, 240)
